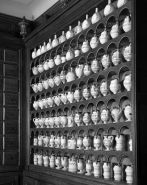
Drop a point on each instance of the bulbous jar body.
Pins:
(36, 122)
(40, 86)
(70, 97)
(57, 121)
(55, 41)
(40, 103)
(115, 31)
(35, 141)
(120, 142)
(63, 141)
(104, 37)
(62, 38)
(58, 60)
(105, 60)
(109, 8)
(45, 161)
(50, 102)
(127, 52)
(79, 70)
(72, 144)
(36, 105)
(77, 95)
(115, 113)
(40, 68)
(51, 63)
(86, 93)
(57, 100)
(35, 70)
(45, 84)
(57, 80)
(52, 161)
(49, 45)
(104, 88)
(40, 159)
(106, 170)
(94, 42)
(35, 87)
(127, 82)
(105, 115)
(116, 57)
(114, 86)
(46, 121)
(40, 140)
(80, 166)
(95, 66)
(69, 54)
(70, 76)
(87, 70)
(94, 90)
(34, 54)
(88, 167)
(38, 51)
(64, 163)
(128, 112)
(129, 174)
(72, 164)
(57, 141)
(70, 119)
(87, 142)
(85, 46)
(46, 140)
(121, 3)
(64, 98)
(51, 82)
(86, 118)
(78, 119)
(96, 169)
(79, 142)
(63, 77)
(108, 142)
(43, 48)
(52, 122)
(126, 24)
(52, 141)
(35, 159)
(117, 173)
(63, 121)
(78, 28)
(97, 142)
(86, 23)
(95, 117)
(96, 16)
(69, 33)
(45, 65)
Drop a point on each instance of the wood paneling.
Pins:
(11, 70)
(11, 114)
(1, 69)
(11, 158)
(1, 113)
(11, 56)
(11, 127)
(1, 98)
(1, 127)
(1, 142)
(11, 143)
(1, 157)
(11, 99)
(1, 54)
(1, 84)
(11, 84)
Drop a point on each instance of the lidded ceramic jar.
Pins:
(64, 163)
(109, 8)
(86, 92)
(104, 37)
(49, 45)
(126, 24)
(79, 142)
(34, 87)
(57, 99)
(79, 70)
(78, 118)
(58, 162)
(120, 142)
(128, 112)
(40, 68)
(94, 90)
(40, 139)
(63, 77)
(57, 141)
(50, 101)
(69, 33)
(40, 103)
(115, 30)
(70, 96)
(97, 142)
(57, 60)
(77, 51)
(36, 122)
(40, 158)
(105, 115)
(57, 79)
(86, 118)
(51, 121)
(35, 140)
(116, 113)
(72, 143)
(40, 86)
(94, 41)
(62, 38)
(51, 63)
(85, 46)
(70, 119)
(96, 169)
(95, 67)
(104, 87)
(116, 57)
(78, 27)
(127, 52)
(46, 122)
(87, 142)
(57, 120)
(38, 51)
(55, 41)
(80, 166)
(127, 81)
(41, 122)
(36, 105)
(34, 54)
(130, 144)
(72, 161)
(52, 140)
(69, 54)
(63, 119)
(43, 48)
(96, 16)
(87, 69)
(108, 142)
(88, 167)
(95, 116)
(35, 158)
(70, 75)
(35, 70)
(117, 173)
(63, 97)
(46, 140)
(63, 57)
(121, 3)
(77, 94)
(105, 60)
(86, 23)
(114, 85)
(45, 65)
(129, 174)
(52, 161)
(45, 84)
(63, 141)
(45, 160)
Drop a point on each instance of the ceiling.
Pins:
(31, 9)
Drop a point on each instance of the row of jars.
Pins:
(97, 142)
(86, 93)
(115, 31)
(63, 78)
(87, 118)
(107, 60)
(88, 167)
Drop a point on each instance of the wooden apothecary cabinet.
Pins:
(81, 119)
